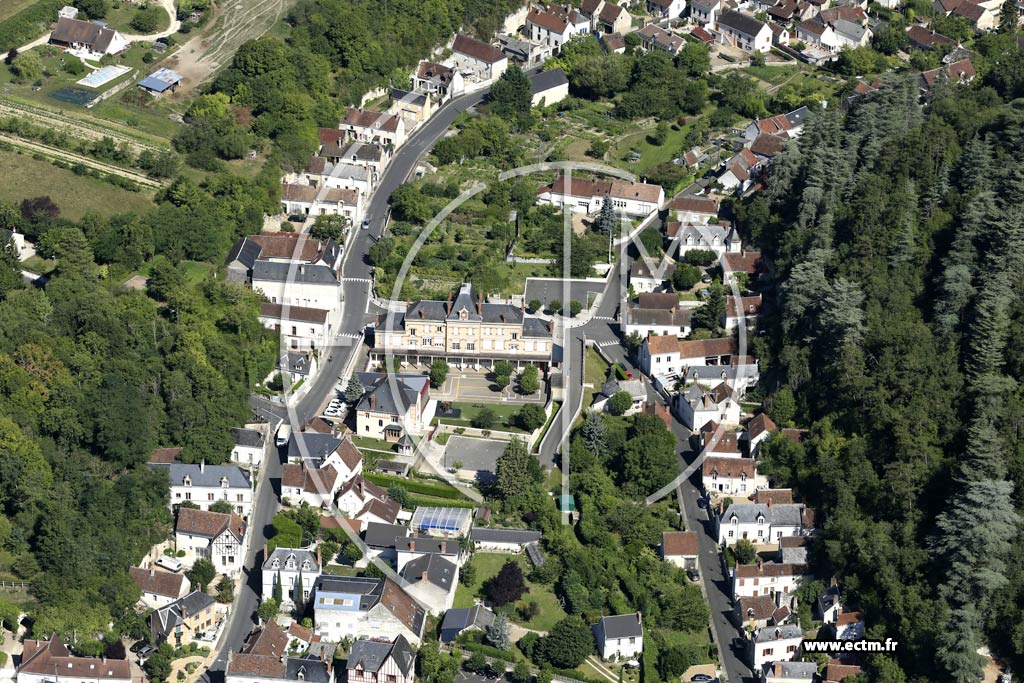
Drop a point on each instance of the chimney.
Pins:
(479, 307)
(639, 617)
(373, 401)
(265, 553)
(376, 319)
(202, 465)
(450, 295)
(184, 612)
(302, 268)
(412, 544)
(421, 313)
(423, 576)
(152, 573)
(443, 546)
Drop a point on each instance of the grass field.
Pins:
(119, 16)
(503, 411)
(595, 373)
(25, 177)
(488, 565)
(650, 154)
(8, 8)
(771, 74)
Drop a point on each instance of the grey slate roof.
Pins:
(738, 21)
(439, 571)
(274, 271)
(369, 590)
(315, 447)
(772, 633)
(465, 617)
(521, 536)
(622, 626)
(427, 544)
(206, 475)
(163, 620)
(798, 117)
(546, 80)
(795, 670)
(784, 515)
(247, 437)
(536, 328)
(385, 401)
(384, 535)
(300, 555)
(245, 251)
(370, 655)
(310, 667)
(418, 99)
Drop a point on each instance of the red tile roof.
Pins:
(774, 496)
(747, 262)
(45, 657)
(750, 571)
(164, 455)
(208, 524)
(694, 204)
(158, 582)
(728, 467)
(480, 51)
(643, 192)
(579, 187)
(371, 119)
(700, 34)
(547, 21)
(774, 125)
(679, 543)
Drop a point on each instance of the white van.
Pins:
(284, 432)
(169, 563)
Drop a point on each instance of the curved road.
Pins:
(355, 293)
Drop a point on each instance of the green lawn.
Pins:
(488, 565)
(650, 154)
(25, 177)
(503, 411)
(38, 264)
(119, 16)
(366, 442)
(771, 74)
(8, 8)
(595, 372)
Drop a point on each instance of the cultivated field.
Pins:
(8, 8)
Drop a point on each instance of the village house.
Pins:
(318, 450)
(696, 406)
(304, 200)
(666, 9)
(265, 262)
(980, 17)
(465, 331)
(645, 277)
(745, 310)
(765, 578)
(759, 523)
(759, 429)
(634, 387)
(956, 73)
(214, 536)
(363, 607)
(548, 88)
(775, 644)
(830, 604)
(762, 611)
(204, 485)
(159, 588)
(502, 540)
(477, 61)
(653, 37)
(705, 12)
(373, 127)
(662, 355)
(314, 486)
(416, 546)
(295, 570)
(300, 328)
(749, 263)
(743, 31)
(381, 540)
(739, 171)
(87, 39)
(614, 18)
(584, 195)
(740, 376)
(620, 637)
(47, 661)
(687, 237)
(438, 81)
(730, 476)
(837, 672)
(461, 619)
(656, 314)
(249, 446)
(715, 441)
(335, 149)
(849, 626)
(693, 210)
(784, 125)
(253, 668)
(552, 30)
(791, 672)
(925, 39)
(179, 622)
(357, 493)
(680, 548)
(373, 661)
(387, 412)
(432, 580)
(413, 108)
(793, 550)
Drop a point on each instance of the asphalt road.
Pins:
(356, 294)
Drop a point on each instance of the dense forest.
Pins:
(897, 232)
(95, 374)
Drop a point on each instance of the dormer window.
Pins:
(224, 482)
(463, 314)
(187, 481)
(760, 519)
(306, 565)
(276, 564)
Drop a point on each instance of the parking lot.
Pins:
(548, 290)
(477, 386)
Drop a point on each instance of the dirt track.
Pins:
(233, 23)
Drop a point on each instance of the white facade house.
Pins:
(647, 277)
(550, 29)
(731, 476)
(765, 578)
(502, 540)
(291, 568)
(666, 9)
(249, 446)
(697, 406)
(432, 580)
(758, 523)
(686, 237)
(215, 536)
(314, 486)
(743, 31)
(583, 195)
(362, 125)
(745, 310)
(680, 548)
(301, 328)
(476, 61)
(705, 12)
(620, 636)
(775, 644)
(159, 588)
(663, 355)
(759, 429)
(309, 286)
(362, 607)
(383, 413)
(87, 39)
(205, 485)
(374, 661)
(47, 661)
